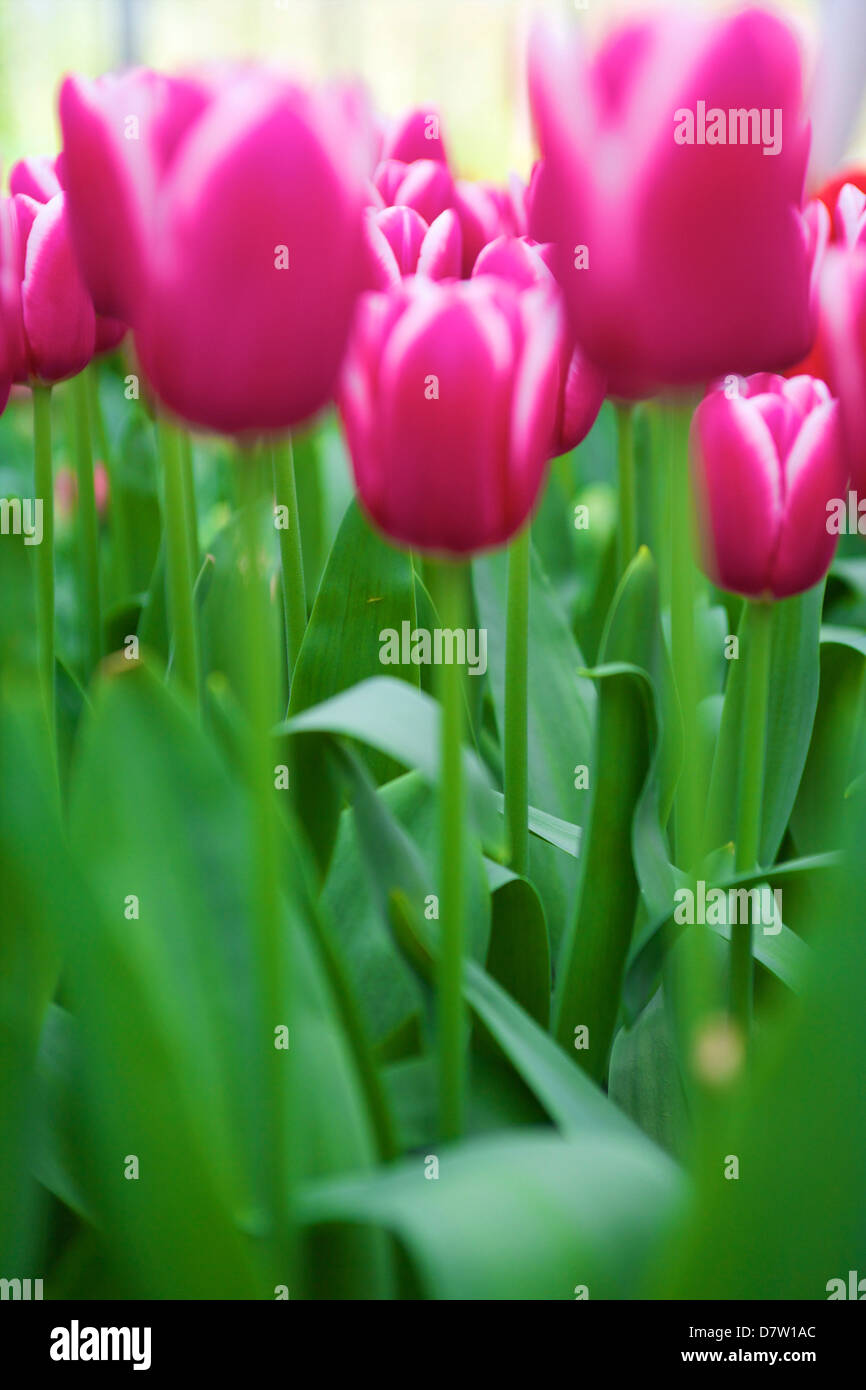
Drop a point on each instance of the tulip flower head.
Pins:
(39, 179)
(399, 242)
(839, 352)
(767, 458)
(524, 263)
(414, 172)
(449, 396)
(221, 215)
(682, 249)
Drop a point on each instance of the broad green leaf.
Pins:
(170, 1010)
(395, 718)
(531, 1216)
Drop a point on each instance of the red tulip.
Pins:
(449, 396)
(767, 458)
(582, 385)
(681, 245)
(228, 232)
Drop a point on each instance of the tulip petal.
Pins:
(59, 322)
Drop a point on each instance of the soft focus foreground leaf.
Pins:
(34, 893)
(795, 1217)
(533, 1216)
(169, 1010)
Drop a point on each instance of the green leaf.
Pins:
(395, 718)
(645, 1078)
(657, 938)
(793, 700)
(530, 1216)
(560, 718)
(594, 951)
(169, 1009)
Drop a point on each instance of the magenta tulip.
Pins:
(39, 179)
(672, 184)
(767, 458)
(427, 185)
(222, 216)
(839, 353)
(582, 385)
(399, 242)
(449, 396)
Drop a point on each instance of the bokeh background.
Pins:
(467, 56)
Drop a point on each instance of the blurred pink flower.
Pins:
(683, 254)
(414, 172)
(449, 396)
(767, 458)
(220, 214)
(582, 386)
(838, 354)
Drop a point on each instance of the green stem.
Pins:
(449, 582)
(179, 571)
(627, 486)
(516, 674)
(190, 507)
(759, 634)
(120, 523)
(44, 489)
(88, 526)
(271, 941)
(291, 554)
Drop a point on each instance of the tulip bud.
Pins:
(767, 458)
(399, 242)
(671, 184)
(449, 397)
(582, 386)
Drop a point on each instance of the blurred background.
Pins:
(467, 56)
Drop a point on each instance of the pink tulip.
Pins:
(228, 231)
(399, 242)
(39, 179)
(682, 257)
(449, 397)
(582, 385)
(54, 323)
(839, 352)
(766, 461)
(414, 173)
